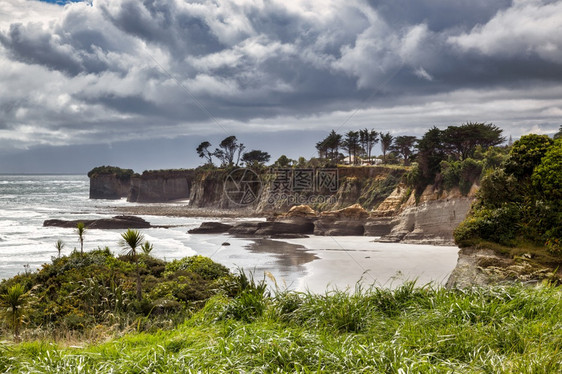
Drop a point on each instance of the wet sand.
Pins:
(342, 262)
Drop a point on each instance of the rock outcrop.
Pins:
(343, 222)
(483, 267)
(432, 220)
(211, 228)
(109, 186)
(161, 186)
(115, 223)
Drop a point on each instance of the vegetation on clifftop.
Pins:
(112, 170)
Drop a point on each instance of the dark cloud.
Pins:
(126, 69)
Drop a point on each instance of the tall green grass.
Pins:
(513, 329)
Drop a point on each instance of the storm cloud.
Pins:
(112, 71)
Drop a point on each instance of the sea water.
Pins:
(26, 201)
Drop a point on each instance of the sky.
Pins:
(139, 84)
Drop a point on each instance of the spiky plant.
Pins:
(130, 241)
(59, 245)
(80, 230)
(13, 301)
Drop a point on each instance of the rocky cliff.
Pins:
(394, 213)
(430, 220)
(161, 186)
(109, 182)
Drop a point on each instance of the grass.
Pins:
(512, 329)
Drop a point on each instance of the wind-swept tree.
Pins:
(404, 146)
(227, 150)
(368, 138)
(241, 148)
(352, 145)
(80, 230)
(386, 143)
(204, 152)
(329, 146)
(130, 241)
(13, 302)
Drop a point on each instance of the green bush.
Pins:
(201, 265)
(498, 225)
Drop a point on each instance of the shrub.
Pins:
(496, 225)
(201, 265)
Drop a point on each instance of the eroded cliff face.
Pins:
(161, 186)
(109, 186)
(431, 221)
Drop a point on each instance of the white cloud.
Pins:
(528, 27)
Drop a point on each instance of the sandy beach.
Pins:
(321, 263)
(344, 262)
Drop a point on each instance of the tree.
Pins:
(241, 148)
(386, 143)
(227, 150)
(430, 154)
(80, 230)
(547, 176)
(329, 146)
(461, 141)
(131, 240)
(255, 157)
(352, 145)
(404, 145)
(283, 162)
(204, 152)
(13, 302)
(527, 153)
(59, 245)
(368, 138)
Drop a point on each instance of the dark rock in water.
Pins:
(247, 228)
(211, 228)
(117, 223)
(296, 225)
(289, 236)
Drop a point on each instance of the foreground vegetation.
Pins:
(512, 329)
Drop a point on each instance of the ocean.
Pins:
(28, 200)
(315, 264)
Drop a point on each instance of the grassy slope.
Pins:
(515, 329)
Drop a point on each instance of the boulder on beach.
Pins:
(211, 228)
(114, 223)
